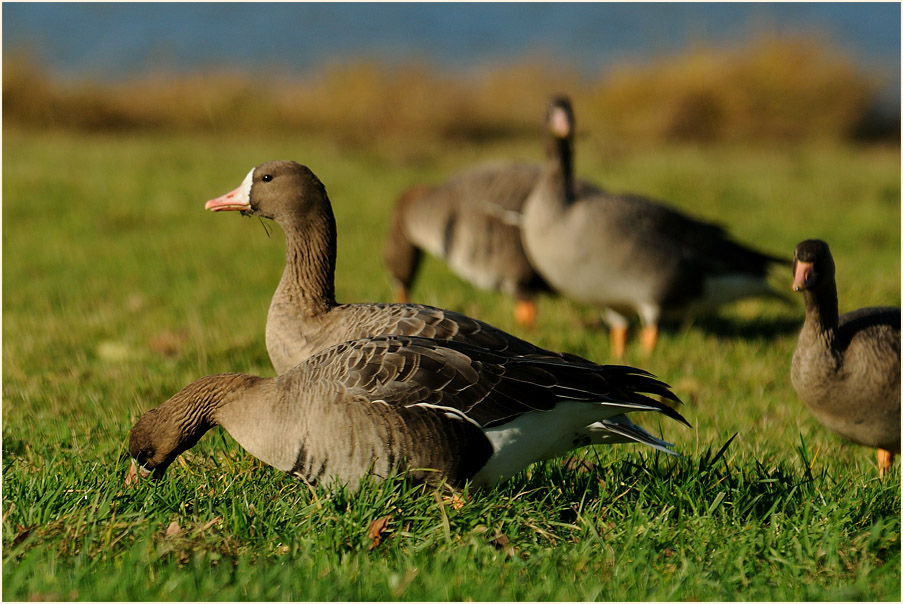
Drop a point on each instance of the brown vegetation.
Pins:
(771, 89)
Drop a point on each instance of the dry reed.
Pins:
(775, 89)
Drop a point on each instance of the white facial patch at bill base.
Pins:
(236, 199)
(245, 187)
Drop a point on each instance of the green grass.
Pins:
(119, 289)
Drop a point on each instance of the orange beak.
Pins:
(237, 200)
(231, 201)
(131, 477)
(803, 275)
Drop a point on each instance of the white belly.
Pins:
(543, 435)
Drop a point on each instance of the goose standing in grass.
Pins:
(846, 368)
(627, 253)
(446, 410)
(471, 220)
(304, 317)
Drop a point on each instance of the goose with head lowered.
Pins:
(626, 253)
(846, 368)
(446, 411)
(304, 317)
(461, 222)
(470, 220)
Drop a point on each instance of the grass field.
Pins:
(119, 289)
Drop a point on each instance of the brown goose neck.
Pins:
(193, 409)
(821, 308)
(207, 394)
(310, 257)
(560, 153)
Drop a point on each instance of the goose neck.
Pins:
(229, 396)
(195, 409)
(310, 256)
(821, 311)
(560, 152)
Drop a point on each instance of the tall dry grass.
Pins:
(776, 88)
(790, 88)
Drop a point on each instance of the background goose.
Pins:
(448, 410)
(460, 221)
(846, 369)
(304, 317)
(627, 253)
(472, 222)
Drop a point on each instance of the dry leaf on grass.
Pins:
(454, 501)
(168, 343)
(500, 540)
(376, 527)
(501, 543)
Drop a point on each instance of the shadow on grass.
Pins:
(721, 327)
(708, 484)
(749, 329)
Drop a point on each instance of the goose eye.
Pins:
(266, 177)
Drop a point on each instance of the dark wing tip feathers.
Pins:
(518, 376)
(636, 385)
(624, 382)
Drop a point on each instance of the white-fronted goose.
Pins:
(627, 253)
(446, 410)
(471, 221)
(459, 221)
(304, 317)
(846, 369)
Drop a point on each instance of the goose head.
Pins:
(560, 117)
(277, 190)
(153, 445)
(813, 265)
(165, 432)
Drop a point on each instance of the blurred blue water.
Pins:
(111, 40)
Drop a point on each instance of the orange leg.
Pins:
(885, 459)
(618, 341)
(401, 294)
(525, 312)
(648, 337)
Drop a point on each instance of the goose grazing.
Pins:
(627, 253)
(846, 369)
(460, 222)
(447, 410)
(472, 222)
(304, 317)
